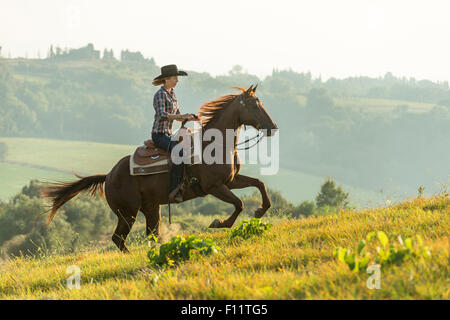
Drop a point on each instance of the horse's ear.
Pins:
(254, 89)
(249, 90)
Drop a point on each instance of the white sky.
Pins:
(329, 38)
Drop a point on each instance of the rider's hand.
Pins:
(188, 117)
(192, 117)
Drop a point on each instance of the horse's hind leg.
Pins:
(152, 213)
(127, 217)
(124, 199)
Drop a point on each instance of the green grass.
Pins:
(81, 156)
(14, 177)
(292, 260)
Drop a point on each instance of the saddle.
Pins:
(149, 159)
(149, 153)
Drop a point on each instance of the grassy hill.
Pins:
(293, 260)
(47, 159)
(14, 177)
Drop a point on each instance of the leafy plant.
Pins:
(179, 249)
(249, 228)
(386, 254)
(356, 261)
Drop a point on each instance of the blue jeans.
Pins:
(163, 141)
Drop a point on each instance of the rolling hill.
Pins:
(292, 260)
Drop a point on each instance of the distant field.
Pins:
(299, 186)
(81, 156)
(14, 177)
(374, 105)
(381, 105)
(93, 158)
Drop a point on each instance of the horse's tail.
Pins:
(61, 192)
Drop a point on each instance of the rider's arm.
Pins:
(176, 116)
(179, 117)
(160, 105)
(161, 111)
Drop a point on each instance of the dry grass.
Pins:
(293, 260)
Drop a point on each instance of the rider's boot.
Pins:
(176, 194)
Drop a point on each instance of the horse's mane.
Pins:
(210, 109)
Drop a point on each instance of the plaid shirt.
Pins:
(165, 103)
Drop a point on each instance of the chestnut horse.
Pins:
(126, 194)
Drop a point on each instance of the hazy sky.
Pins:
(332, 38)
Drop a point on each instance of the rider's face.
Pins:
(171, 82)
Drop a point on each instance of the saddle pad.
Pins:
(152, 168)
(155, 167)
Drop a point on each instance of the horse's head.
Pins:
(253, 113)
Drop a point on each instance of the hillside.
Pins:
(293, 260)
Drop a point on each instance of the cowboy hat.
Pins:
(168, 71)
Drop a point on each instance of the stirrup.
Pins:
(176, 196)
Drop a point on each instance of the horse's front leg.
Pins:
(223, 193)
(241, 181)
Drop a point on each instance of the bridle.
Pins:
(259, 136)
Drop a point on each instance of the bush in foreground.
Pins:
(179, 249)
(249, 228)
(387, 254)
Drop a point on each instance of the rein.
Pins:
(258, 136)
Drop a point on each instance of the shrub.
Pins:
(32, 190)
(306, 208)
(249, 228)
(23, 229)
(179, 249)
(325, 210)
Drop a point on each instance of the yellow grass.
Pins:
(293, 260)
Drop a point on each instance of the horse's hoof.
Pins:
(215, 224)
(259, 212)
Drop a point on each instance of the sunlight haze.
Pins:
(328, 38)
